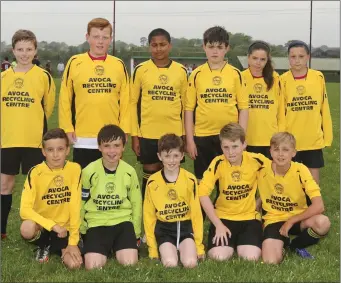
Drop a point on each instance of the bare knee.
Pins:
(254, 256)
(272, 259)
(7, 184)
(189, 262)
(28, 229)
(169, 261)
(94, 262)
(127, 261)
(70, 263)
(219, 256)
(322, 224)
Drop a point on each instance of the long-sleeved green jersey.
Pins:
(110, 198)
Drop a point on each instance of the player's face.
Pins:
(282, 154)
(111, 151)
(257, 60)
(24, 52)
(171, 160)
(298, 58)
(233, 150)
(215, 52)
(159, 47)
(99, 41)
(55, 152)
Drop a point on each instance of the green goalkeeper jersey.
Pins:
(110, 198)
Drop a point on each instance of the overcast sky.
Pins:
(273, 21)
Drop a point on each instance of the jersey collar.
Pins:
(165, 67)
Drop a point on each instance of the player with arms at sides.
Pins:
(214, 98)
(27, 101)
(94, 92)
(235, 222)
(307, 112)
(157, 91)
(111, 211)
(266, 109)
(50, 203)
(292, 202)
(171, 211)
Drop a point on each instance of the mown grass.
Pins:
(18, 264)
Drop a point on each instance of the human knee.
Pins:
(7, 184)
(272, 259)
(189, 262)
(71, 264)
(169, 262)
(28, 229)
(94, 264)
(219, 256)
(251, 255)
(322, 224)
(126, 261)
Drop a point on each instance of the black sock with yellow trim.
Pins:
(42, 239)
(307, 238)
(145, 176)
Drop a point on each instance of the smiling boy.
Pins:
(50, 202)
(111, 204)
(27, 101)
(94, 92)
(157, 91)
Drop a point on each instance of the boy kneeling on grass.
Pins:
(50, 202)
(111, 204)
(171, 212)
(291, 202)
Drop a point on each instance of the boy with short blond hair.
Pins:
(291, 201)
(235, 222)
(50, 202)
(27, 101)
(171, 211)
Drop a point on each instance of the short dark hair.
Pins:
(157, 32)
(232, 131)
(268, 68)
(6, 58)
(216, 34)
(25, 35)
(298, 43)
(170, 141)
(110, 133)
(56, 133)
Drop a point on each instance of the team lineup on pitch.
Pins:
(256, 139)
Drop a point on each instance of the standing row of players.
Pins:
(103, 202)
(95, 91)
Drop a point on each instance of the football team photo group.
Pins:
(256, 138)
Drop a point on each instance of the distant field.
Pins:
(18, 264)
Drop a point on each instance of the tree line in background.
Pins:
(239, 43)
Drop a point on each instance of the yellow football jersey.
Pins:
(236, 198)
(266, 109)
(307, 112)
(215, 96)
(172, 202)
(157, 99)
(53, 197)
(285, 196)
(94, 93)
(27, 101)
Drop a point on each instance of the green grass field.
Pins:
(18, 264)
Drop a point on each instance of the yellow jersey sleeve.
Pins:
(183, 91)
(281, 107)
(49, 96)
(211, 175)
(28, 198)
(197, 220)
(191, 92)
(149, 219)
(241, 92)
(326, 117)
(310, 186)
(135, 93)
(75, 208)
(124, 98)
(135, 198)
(65, 99)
